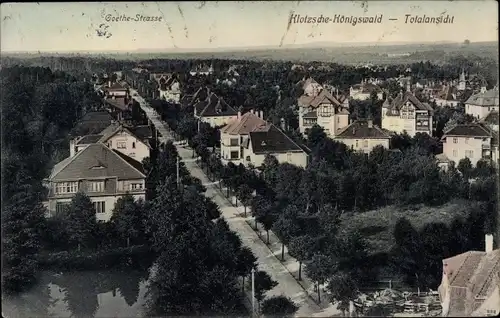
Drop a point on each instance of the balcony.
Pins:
(486, 146)
(309, 123)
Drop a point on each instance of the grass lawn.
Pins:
(377, 226)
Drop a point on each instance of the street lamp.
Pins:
(178, 167)
(253, 291)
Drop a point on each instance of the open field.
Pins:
(375, 54)
(377, 226)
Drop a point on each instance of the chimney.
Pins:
(72, 147)
(488, 243)
(261, 114)
(109, 83)
(370, 123)
(283, 124)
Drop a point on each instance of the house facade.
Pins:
(407, 113)
(169, 89)
(472, 141)
(214, 111)
(448, 97)
(479, 105)
(105, 175)
(323, 109)
(363, 135)
(130, 141)
(249, 138)
(470, 285)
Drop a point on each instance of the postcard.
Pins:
(250, 158)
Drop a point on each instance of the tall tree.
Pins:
(279, 306)
(302, 248)
(80, 220)
(128, 218)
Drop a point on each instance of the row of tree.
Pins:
(200, 258)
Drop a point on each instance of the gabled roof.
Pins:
(245, 124)
(398, 102)
(491, 118)
(488, 98)
(96, 161)
(447, 94)
(167, 82)
(472, 273)
(140, 132)
(271, 141)
(121, 103)
(467, 130)
(211, 101)
(92, 123)
(201, 94)
(367, 88)
(314, 101)
(218, 107)
(308, 82)
(89, 139)
(361, 129)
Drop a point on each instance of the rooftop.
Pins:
(247, 123)
(362, 129)
(486, 99)
(271, 141)
(97, 161)
(92, 123)
(467, 130)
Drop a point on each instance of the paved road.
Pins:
(287, 286)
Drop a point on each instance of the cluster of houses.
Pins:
(106, 152)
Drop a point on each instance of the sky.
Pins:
(62, 27)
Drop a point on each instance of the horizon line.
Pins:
(262, 47)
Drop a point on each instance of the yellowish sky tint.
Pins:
(191, 25)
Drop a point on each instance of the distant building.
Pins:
(214, 111)
(472, 141)
(131, 141)
(318, 106)
(479, 105)
(103, 174)
(491, 120)
(169, 89)
(363, 135)
(202, 70)
(365, 90)
(407, 113)
(470, 286)
(249, 138)
(448, 97)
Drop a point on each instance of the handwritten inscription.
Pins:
(136, 18)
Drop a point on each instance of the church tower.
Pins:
(462, 81)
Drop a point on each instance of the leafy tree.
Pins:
(127, 218)
(319, 269)
(22, 221)
(302, 248)
(285, 227)
(465, 167)
(246, 260)
(315, 136)
(263, 283)
(80, 220)
(279, 306)
(343, 288)
(244, 194)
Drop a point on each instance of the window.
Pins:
(365, 143)
(491, 312)
(96, 186)
(338, 120)
(357, 145)
(289, 157)
(66, 187)
(455, 140)
(110, 144)
(99, 207)
(61, 207)
(136, 186)
(121, 145)
(132, 154)
(469, 154)
(235, 154)
(455, 153)
(466, 140)
(133, 145)
(233, 142)
(248, 158)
